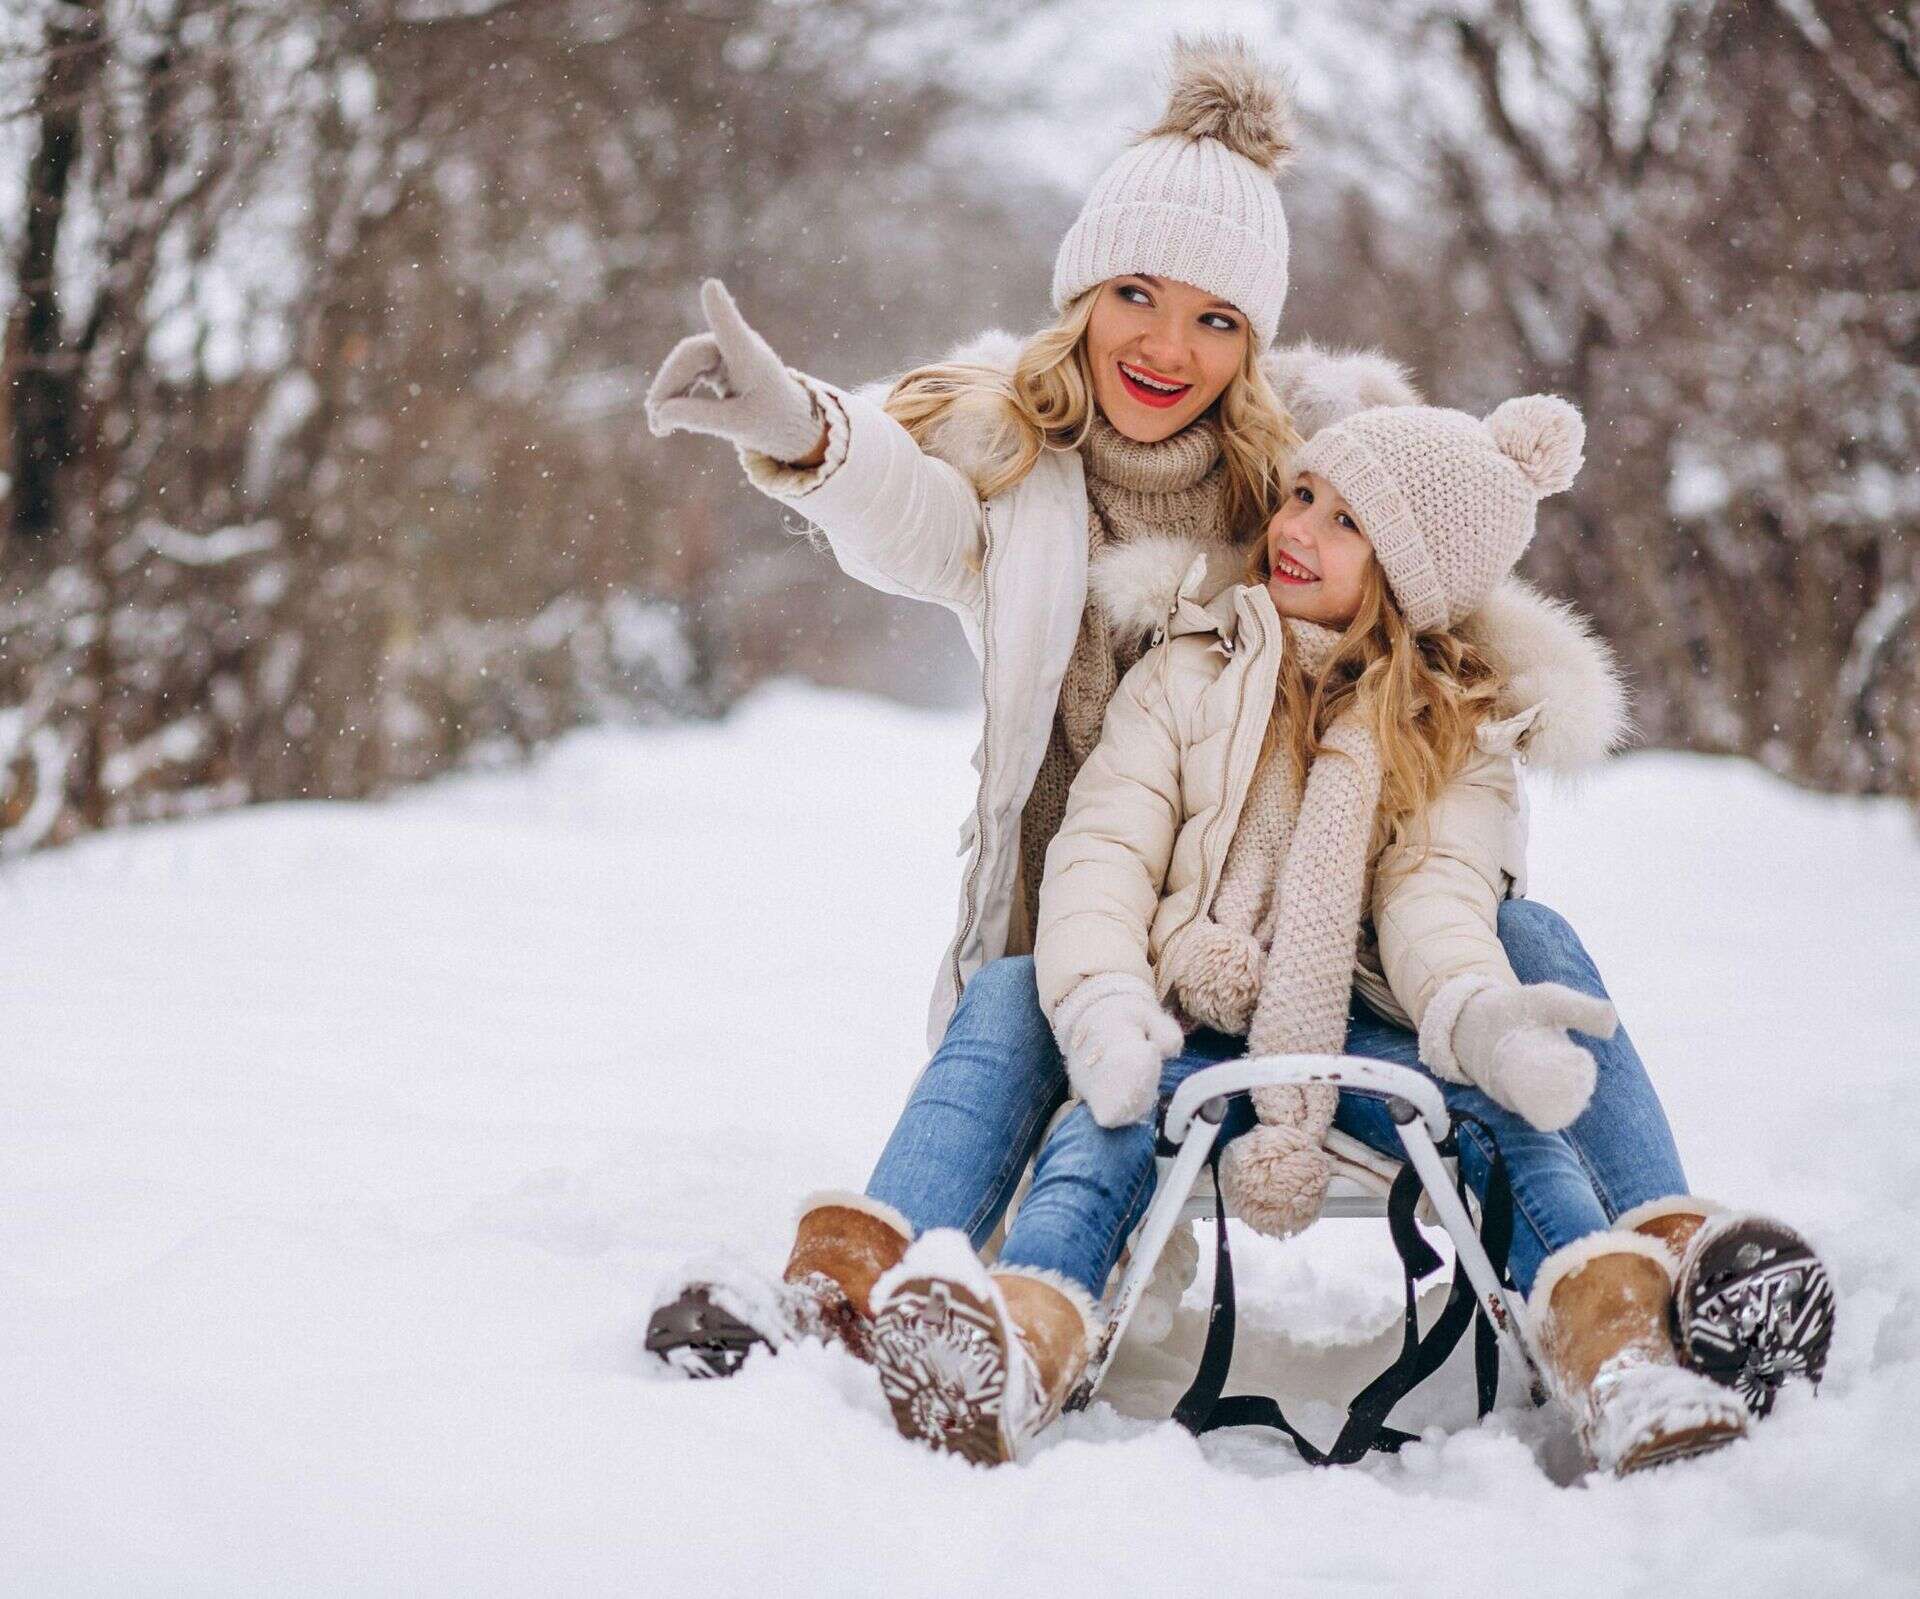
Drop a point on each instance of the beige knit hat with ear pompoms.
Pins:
(1448, 500)
(1195, 199)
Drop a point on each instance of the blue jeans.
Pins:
(981, 1108)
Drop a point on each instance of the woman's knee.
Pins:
(1006, 987)
(1542, 947)
(998, 1044)
(1001, 1002)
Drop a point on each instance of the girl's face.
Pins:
(1161, 353)
(1318, 555)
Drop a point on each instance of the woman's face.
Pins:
(1161, 353)
(1318, 555)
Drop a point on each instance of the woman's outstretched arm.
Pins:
(895, 517)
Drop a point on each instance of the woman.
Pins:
(1032, 490)
(1017, 485)
(1267, 798)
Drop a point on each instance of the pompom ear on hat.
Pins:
(1194, 199)
(1541, 434)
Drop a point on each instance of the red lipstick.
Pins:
(1159, 399)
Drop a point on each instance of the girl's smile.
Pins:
(1317, 554)
(1287, 570)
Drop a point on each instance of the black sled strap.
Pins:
(1203, 1408)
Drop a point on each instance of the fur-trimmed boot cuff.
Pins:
(842, 1243)
(1572, 1259)
(1673, 1221)
(1055, 1318)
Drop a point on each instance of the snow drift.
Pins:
(341, 1146)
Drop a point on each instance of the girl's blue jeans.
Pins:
(981, 1108)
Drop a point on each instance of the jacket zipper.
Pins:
(1210, 877)
(986, 744)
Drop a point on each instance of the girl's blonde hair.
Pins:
(1423, 695)
(1046, 403)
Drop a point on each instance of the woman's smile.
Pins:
(1148, 387)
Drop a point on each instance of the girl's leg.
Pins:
(1618, 1154)
(978, 1109)
(1092, 1184)
(1622, 1137)
(1554, 1201)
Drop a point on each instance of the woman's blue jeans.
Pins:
(980, 1110)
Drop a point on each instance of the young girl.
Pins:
(1307, 793)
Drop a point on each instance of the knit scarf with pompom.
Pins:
(1273, 959)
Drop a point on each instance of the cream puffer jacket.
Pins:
(1150, 816)
(1013, 570)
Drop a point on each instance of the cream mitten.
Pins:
(1115, 1035)
(756, 402)
(1512, 1044)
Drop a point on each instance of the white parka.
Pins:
(1013, 569)
(1137, 861)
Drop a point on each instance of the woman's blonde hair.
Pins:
(1046, 403)
(1423, 695)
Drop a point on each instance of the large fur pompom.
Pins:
(1541, 434)
(1222, 90)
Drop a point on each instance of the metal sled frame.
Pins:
(1192, 1126)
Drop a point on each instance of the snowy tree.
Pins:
(326, 331)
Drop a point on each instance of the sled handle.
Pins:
(1274, 1071)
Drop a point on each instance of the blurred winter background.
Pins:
(342, 1145)
(327, 325)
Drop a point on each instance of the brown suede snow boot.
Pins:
(1054, 1329)
(1600, 1310)
(975, 1364)
(840, 1247)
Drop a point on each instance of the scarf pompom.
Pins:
(1219, 976)
(1275, 1179)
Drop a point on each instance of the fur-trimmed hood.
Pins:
(1317, 385)
(1556, 667)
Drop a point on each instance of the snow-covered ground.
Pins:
(340, 1147)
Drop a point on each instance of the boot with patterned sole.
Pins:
(972, 1363)
(1753, 1307)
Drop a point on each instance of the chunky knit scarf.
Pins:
(1274, 957)
(1176, 487)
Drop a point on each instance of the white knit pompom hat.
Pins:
(1195, 199)
(1448, 500)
